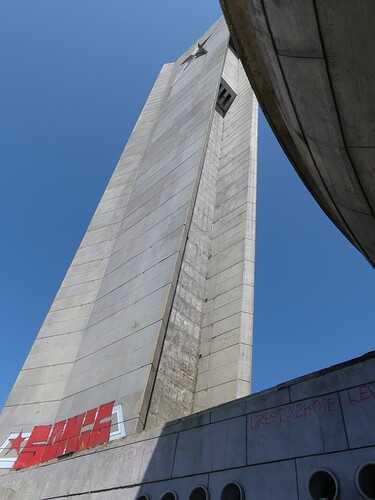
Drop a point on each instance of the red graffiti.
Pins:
(47, 442)
(303, 409)
(361, 393)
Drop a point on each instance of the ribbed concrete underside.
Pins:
(311, 64)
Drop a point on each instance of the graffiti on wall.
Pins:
(47, 442)
(293, 411)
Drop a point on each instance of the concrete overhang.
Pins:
(312, 66)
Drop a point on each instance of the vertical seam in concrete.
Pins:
(296, 472)
(246, 438)
(343, 420)
(174, 455)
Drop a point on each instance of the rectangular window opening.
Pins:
(225, 98)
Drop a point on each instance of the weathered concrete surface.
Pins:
(206, 358)
(270, 443)
(311, 65)
(155, 312)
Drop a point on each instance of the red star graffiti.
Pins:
(15, 443)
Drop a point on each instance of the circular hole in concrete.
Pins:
(199, 493)
(366, 480)
(169, 495)
(323, 486)
(143, 497)
(232, 491)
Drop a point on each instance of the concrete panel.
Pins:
(148, 311)
(82, 289)
(99, 235)
(70, 313)
(127, 389)
(83, 273)
(150, 238)
(27, 415)
(293, 37)
(95, 251)
(212, 447)
(106, 219)
(348, 36)
(31, 390)
(214, 396)
(75, 300)
(53, 351)
(126, 356)
(212, 345)
(223, 312)
(358, 406)
(131, 292)
(63, 327)
(132, 229)
(299, 428)
(257, 402)
(126, 273)
(219, 375)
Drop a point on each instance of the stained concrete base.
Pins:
(270, 443)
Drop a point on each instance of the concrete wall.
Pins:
(120, 350)
(224, 371)
(42, 383)
(270, 443)
(206, 357)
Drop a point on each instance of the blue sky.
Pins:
(74, 77)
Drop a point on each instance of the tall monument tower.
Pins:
(153, 320)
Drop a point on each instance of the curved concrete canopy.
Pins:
(312, 66)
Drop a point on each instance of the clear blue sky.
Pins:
(74, 77)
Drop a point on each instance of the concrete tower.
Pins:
(153, 320)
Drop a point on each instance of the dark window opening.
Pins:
(323, 484)
(199, 493)
(232, 491)
(366, 480)
(225, 98)
(169, 495)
